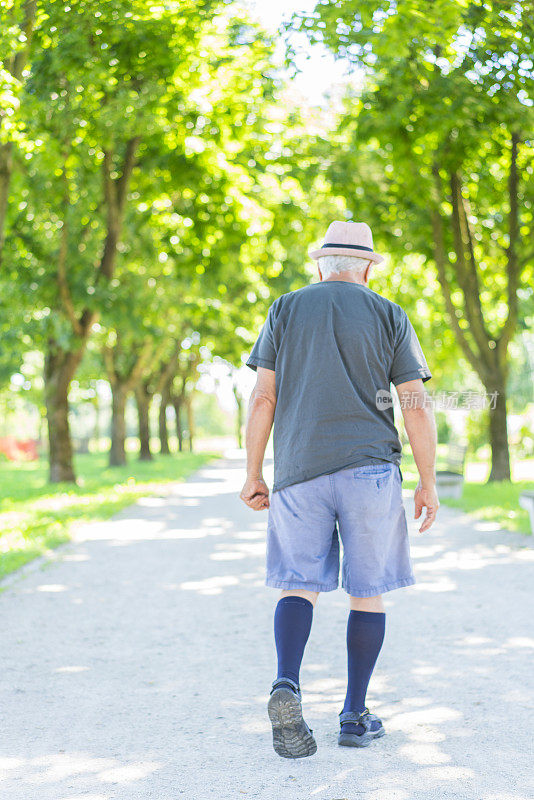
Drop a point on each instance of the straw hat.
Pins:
(348, 239)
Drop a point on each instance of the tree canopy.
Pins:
(165, 184)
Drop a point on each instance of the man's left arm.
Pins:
(260, 417)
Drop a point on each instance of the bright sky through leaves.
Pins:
(320, 72)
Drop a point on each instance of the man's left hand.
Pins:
(255, 494)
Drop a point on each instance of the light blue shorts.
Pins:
(361, 504)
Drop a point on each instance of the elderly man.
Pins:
(325, 359)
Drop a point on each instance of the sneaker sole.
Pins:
(291, 736)
(353, 740)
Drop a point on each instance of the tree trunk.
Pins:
(59, 369)
(190, 421)
(239, 417)
(117, 453)
(143, 413)
(500, 454)
(487, 361)
(97, 425)
(6, 167)
(163, 431)
(177, 405)
(42, 432)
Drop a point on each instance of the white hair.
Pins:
(333, 265)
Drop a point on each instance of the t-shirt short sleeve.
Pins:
(409, 362)
(263, 354)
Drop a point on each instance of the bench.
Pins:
(450, 480)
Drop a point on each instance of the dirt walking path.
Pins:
(136, 664)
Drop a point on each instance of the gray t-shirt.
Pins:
(333, 345)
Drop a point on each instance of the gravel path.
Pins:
(136, 664)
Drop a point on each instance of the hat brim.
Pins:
(342, 251)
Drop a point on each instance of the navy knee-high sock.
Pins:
(292, 624)
(365, 635)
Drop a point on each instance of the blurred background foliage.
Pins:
(162, 180)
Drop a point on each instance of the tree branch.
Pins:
(513, 266)
(466, 273)
(441, 260)
(115, 192)
(87, 320)
(15, 66)
(123, 181)
(109, 363)
(21, 58)
(472, 272)
(63, 284)
(139, 366)
(169, 368)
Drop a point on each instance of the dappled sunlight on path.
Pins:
(137, 664)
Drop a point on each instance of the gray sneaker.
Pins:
(370, 731)
(291, 736)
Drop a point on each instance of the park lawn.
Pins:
(36, 516)
(496, 502)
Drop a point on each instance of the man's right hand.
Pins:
(426, 497)
(255, 493)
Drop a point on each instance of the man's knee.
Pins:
(367, 603)
(311, 596)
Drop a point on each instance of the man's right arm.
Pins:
(421, 430)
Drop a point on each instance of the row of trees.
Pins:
(165, 184)
(437, 151)
(150, 209)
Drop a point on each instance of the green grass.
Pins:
(36, 516)
(496, 502)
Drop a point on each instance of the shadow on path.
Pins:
(137, 664)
